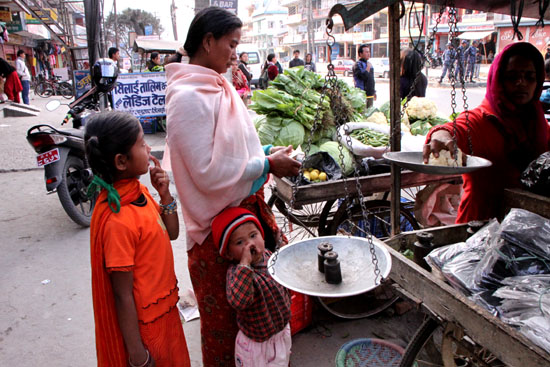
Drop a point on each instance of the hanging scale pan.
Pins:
(414, 162)
(295, 266)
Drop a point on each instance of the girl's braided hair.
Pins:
(108, 134)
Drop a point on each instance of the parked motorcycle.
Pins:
(434, 61)
(61, 151)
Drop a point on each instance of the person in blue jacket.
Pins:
(461, 60)
(471, 53)
(363, 74)
(449, 56)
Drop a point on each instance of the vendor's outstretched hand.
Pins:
(441, 139)
(282, 165)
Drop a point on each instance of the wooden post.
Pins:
(395, 112)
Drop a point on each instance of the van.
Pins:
(254, 62)
(381, 66)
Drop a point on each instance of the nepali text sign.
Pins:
(230, 5)
(83, 81)
(141, 94)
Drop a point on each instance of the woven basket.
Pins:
(369, 353)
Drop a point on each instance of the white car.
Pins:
(381, 66)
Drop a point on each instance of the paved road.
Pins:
(45, 309)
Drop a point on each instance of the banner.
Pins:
(82, 82)
(141, 94)
(230, 5)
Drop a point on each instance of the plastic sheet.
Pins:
(536, 177)
(526, 305)
(457, 262)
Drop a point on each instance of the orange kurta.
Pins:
(136, 240)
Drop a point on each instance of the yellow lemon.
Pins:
(316, 171)
(322, 176)
(314, 174)
(307, 175)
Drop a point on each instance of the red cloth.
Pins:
(240, 83)
(262, 304)
(155, 290)
(272, 71)
(12, 87)
(502, 133)
(208, 270)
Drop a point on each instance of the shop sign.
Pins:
(5, 14)
(230, 5)
(539, 37)
(82, 81)
(506, 36)
(474, 18)
(479, 27)
(15, 25)
(141, 94)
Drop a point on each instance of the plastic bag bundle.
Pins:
(527, 230)
(526, 305)
(457, 262)
(536, 177)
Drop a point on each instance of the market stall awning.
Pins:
(477, 35)
(161, 46)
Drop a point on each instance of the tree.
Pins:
(130, 20)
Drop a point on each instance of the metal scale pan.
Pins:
(295, 266)
(414, 162)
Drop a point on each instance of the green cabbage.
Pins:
(292, 133)
(269, 129)
(332, 148)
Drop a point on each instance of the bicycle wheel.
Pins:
(43, 89)
(66, 90)
(378, 217)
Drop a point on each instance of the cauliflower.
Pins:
(445, 159)
(420, 108)
(378, 118)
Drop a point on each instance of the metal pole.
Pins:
(395, 112)
(116, 24)
(173, 9)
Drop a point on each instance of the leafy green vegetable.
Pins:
(292, 133)
(434, 121)
(332, 148)
(420, 127)
(385, 109)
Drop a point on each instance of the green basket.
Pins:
(369, 353)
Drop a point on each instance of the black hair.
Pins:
(214, 20)
(270, 57)
(243, 53)
(20, 52)
(112, 51)
(5, 68)
(547, 67)
(411, 63)
(154, 55)
(296, 51)
(310, 55)
(360, 49)
(108, 134)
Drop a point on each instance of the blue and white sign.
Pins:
(83, 82)
(231, 5)
(141, 94)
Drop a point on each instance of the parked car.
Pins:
(381, 66)
(344, 66)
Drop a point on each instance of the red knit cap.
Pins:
(229, 220)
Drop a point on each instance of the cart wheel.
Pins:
(416, 345)
(312, 216)
(378, 214)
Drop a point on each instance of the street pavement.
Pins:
(46, 315)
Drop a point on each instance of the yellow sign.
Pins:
(5, 16)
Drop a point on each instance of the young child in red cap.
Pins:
(262, 304)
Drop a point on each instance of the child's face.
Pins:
(138, 157)
(246, 242)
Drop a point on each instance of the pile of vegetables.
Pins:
(371, 137)
(290, 104)
(315, 175)
(422, 114)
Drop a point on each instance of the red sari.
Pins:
(12, 87)
(240, 83)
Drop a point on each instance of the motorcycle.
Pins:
(62, 154)
(434, 61)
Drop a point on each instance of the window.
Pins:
(292, 10)
(270, 25)
(368, 27)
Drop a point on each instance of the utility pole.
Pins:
(309, 10)
(116, 24)
(173, 9)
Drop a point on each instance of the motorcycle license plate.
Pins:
(48, 157)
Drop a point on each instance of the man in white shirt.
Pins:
(24, 75)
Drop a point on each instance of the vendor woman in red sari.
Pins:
(218, 162)
(508, 128)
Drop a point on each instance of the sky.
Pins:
(184, 13)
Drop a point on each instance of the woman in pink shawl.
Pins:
(508, 128)
(217, 161)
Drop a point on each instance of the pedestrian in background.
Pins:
(154, 63)
(449, 56)
(24, 75)
(271, 66)
(296, 61)
(477, 67)
(243, 66)
(547, 54)
(114, 54)
(134, 285)
(239, 81)
(12, 85)
(363, 74)
(471, 53)
(310, 65)
(461, 60)
(412, 79)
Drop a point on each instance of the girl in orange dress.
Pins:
(134, 285)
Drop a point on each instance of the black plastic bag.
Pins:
(323, 162)
(374, 166)
(536, 177)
